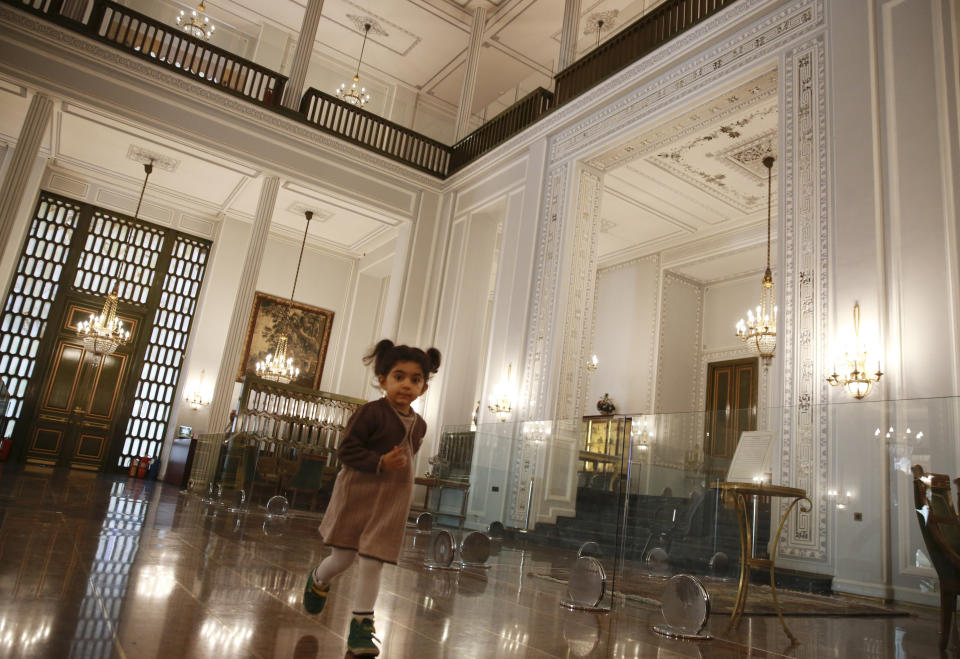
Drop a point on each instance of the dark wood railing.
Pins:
(642, 37)
(176, 50)
(367, 129)
(172, 48)
(499, 129)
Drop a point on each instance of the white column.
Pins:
(24, 155)
(230, 360)
(301, 59)
(470, 75)
(568, 34)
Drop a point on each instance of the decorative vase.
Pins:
(605, 405)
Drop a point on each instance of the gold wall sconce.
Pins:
(851, 372)
(593, 363)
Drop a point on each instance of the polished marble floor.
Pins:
(93, 566)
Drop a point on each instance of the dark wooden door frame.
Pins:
(712, 367)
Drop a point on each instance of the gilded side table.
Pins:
(739, 492)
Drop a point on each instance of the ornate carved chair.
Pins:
(940, 528)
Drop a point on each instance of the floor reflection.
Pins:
(101, 567)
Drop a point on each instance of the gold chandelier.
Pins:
(197, 24)
(500, 403)
(760, 328)
(102, 334)
(278, 365)
(355, 94)
(853, 375)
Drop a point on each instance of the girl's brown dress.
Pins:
(368, 510)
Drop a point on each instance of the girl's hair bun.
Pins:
(434, 356)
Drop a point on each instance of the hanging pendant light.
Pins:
(355, 94)
(278, 365)
(760, 329)
(102, 334)
(197, 24)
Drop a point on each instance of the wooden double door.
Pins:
(731, 409)
(77, 412)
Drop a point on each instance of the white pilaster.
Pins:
(301, 59)
(22, 165)
(568, 34)
(227, 374)
(470, 75)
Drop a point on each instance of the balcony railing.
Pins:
(172, 48)
(642, 37)
(367, 129)
(503, 126)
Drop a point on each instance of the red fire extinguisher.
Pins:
(142, 468)
(5, 444)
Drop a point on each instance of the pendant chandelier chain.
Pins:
(363, 46)
(769, 193)
(296, 276)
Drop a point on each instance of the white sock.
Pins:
(334, 564)
(368, 586)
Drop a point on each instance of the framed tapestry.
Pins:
(308, 332)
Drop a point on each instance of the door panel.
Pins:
(731, 409)
(77, 414)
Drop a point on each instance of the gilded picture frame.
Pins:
(308, 333)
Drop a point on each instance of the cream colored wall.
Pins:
(625, 336)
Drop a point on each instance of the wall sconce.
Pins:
(852, 373)
(640, 435)
(195, 398)
(500, 402)
(593, 363)
(840, 500)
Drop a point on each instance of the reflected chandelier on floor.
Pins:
(278, 365)
(760, 328)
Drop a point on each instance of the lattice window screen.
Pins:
(168, 341)
(118, 252)
(33, 290)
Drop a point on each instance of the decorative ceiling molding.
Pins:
(718, 109)
(592, 22)
(300, 208)
(361, 22)
(144, 156)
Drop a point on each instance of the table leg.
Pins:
(743, 587)
(463, 509)
(773, 557)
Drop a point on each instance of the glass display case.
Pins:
(601, 463)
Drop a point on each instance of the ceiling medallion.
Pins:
(197, 24)
(355, 94)
(760, 330)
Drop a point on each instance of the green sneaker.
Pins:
(360, 640)
(315, 595)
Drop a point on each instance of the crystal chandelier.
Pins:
(500, 403)
(853, 375)
(195, 398)
(102, 334)
(355, 94)
(278, 366)
(197, 24)
(760, 328)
